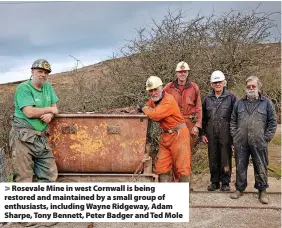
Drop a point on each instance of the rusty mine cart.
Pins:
(101, 147)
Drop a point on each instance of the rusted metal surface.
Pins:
(114, 177)
(96, 143)
(127, 116)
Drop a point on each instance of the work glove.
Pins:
(139, 107)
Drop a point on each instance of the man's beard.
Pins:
(157, 98)
(252, 94)
(39, 82)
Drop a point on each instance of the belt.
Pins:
(40, 133)
(174, 129)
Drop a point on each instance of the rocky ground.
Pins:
(208, 217)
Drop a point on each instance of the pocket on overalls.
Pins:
(45, 143)
(47, 146)
(27, 137)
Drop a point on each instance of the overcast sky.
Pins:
(89, 31)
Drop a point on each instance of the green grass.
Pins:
(276, 140)
(200, 163)
(274, 170)
(10, 177)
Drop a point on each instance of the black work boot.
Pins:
(263, 197)
(236, 194)
(164, 177)
(225, 188)
(213, 186)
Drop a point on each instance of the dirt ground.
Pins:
(216, 217)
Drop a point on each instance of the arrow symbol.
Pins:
(7, 188)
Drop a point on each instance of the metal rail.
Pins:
(235, 207)
(192, 192)
(220, 192)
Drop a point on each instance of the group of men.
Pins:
(249, 124)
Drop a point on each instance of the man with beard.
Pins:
(217, 109)
(253, 125)
(174, 144)
(35, 106)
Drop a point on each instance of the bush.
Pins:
(229, 42)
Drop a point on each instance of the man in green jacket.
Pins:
(35, 106)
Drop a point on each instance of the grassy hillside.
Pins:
(266, 61)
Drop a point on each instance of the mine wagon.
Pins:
(101, 147)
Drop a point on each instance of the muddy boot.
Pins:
(236, 194)
(213, 186)
(225, 188)
(185, 179)
(263, 197)
(164, 177)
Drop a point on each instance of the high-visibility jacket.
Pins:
(166, 112)
(174, 148)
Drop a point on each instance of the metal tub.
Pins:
(98, 143)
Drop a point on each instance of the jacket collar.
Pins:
(175, 83)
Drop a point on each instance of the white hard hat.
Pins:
(153, 82)
(217, 76)
(182, 66)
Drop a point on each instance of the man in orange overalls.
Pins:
(188, 97)
(174, 145)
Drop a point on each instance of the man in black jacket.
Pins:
(253, 125)
(217, 109)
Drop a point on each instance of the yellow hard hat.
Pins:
(182, 66)
(153, 82)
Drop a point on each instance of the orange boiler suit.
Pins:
(189, 101)
(174, 148)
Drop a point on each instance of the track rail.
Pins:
(235, 207)
(220, 192)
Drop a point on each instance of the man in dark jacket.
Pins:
(253, 125)
(217, 109)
